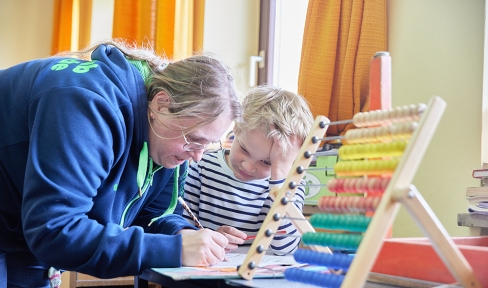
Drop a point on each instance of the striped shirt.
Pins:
(218, 198)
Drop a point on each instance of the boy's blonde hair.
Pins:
(276, 112)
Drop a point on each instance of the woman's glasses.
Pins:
(194, 146)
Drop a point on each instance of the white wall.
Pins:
(437, 49)
(231, 30)
(484, 115)
(25, 30)
(102, 19)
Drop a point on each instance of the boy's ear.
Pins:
(235, 131)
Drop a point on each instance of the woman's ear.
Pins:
(160, 101)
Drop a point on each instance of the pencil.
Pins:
(280, 232)
(193, 217)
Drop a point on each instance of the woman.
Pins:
(93, 154)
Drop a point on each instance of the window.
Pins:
(282, 23)
(289, 27)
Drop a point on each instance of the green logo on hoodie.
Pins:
(82, 67)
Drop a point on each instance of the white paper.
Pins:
(236, 259)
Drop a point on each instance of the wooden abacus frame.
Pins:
(399, 191)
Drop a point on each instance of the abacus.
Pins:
(378, 162)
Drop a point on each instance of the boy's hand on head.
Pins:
(233, 235)
(281, 164)
(202, 247)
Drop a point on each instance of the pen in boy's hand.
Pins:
(190, 213)
(280, 232)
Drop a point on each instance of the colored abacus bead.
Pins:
(384, 183)
(335, 241)
(342, 204)
(420, 110)
(333, 204)
(331, 184)
(386, 117)
(353, 203)
(357, 119)
(355, 223)
(334, 261)
(314, 278)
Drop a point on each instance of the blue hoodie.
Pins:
(71, 136)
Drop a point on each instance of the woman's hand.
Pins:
(233, 235)
(202, 247)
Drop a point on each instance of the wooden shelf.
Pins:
(83, 280)
(74, 280)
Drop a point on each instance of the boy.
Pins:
(228, 190)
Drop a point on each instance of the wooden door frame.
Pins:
(267, 20)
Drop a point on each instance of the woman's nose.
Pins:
(196, 155)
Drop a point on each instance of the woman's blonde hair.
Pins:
(277, 112)
(200, 86)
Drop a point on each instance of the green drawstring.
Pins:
(141, 177)
(142, 169)
(174, 197)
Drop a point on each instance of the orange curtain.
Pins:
(134, 21)
(174, 28)
(340, 39)
(198, 24)
(166, 27)
(61, 40)
(85, 20)
(71, 25)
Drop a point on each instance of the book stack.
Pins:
(478, 196)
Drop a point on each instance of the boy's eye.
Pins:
(243, 149)
(266, 162)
